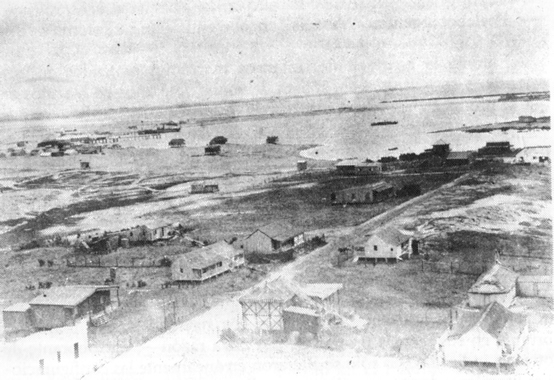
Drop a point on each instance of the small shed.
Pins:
(62, 306)
(495, 335)
(347, 166)
(203, 188)
(498, 284)
(212, 150)
(371, 193)
(459, 158)
(206, 262)
(440, 148)
(301, 319)
(301, 165)
(386, 243)
(262, 306)
(273, 237)
(161, 231)
(17, 318)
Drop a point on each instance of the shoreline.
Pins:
(540, 123)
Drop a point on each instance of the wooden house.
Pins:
(459, 158)
(358, 167)
(85, 165)
(494, 335)
(387, 243)
(63, 306)
(161, 231)
(206, 262)
(18, 319)
(371, 193)
(272, 238)
(262, 306)
(498, 284)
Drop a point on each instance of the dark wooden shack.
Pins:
(212, 150)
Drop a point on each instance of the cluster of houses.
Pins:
(441, 155)
(99, 241)
(483, 329)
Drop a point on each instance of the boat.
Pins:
(385, 122)
(168, 127)
(395, 148)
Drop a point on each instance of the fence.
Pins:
(103, 262)
(453, 267)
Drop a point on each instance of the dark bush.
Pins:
(218, 140)
(271, 139)
(387, 159)
(410, 189)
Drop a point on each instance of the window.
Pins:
(333, 197)
(375, 248)
(353, 197)
(59, 355)
(41, 365)
(76, 350)
(392, 249)
(181, 270)
(130, 234)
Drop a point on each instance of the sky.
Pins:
(59, 57)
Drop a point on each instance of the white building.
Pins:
(497, 284)
(533, 155)
(494, 335)
(386, 243)
(55, 354)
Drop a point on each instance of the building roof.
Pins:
(279, 231)
(321, 291)
(440, 142)
(498, 279)
(378, 186)
(391, 236)
(538, 279)
(369, 164)
(348, 163)
(71, 295)
(301, 310)
(495, 320)
(278, 290)
(199, 259)
(459, 155)
(20, 307)
(221, 249)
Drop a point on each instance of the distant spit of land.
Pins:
(524, 123)
(506, 97)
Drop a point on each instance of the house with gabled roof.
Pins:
(493, 335)
(206, 262)
(273, 238)
(498, 284)
(387, 243)
(370, 193)
(64, 305)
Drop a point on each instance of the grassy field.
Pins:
(303, 201)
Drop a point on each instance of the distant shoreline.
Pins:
(506, 97)
(540, 123)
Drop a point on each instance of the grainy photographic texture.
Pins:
(275, 189)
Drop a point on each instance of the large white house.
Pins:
(497, 284)
(386, 243)
(493, 335)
